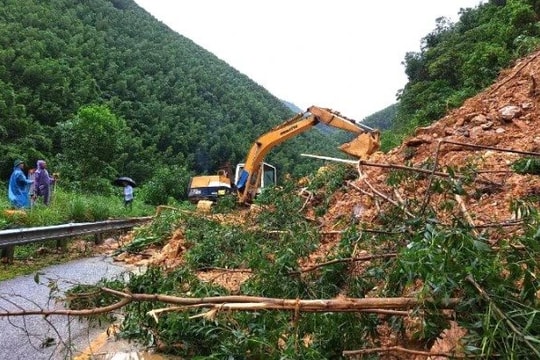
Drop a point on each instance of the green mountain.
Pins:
(101, 88)
(382, 119)
(458, 60)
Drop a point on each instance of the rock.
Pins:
(479, 119)
(527, 106)
(486, 126)
(509, 112)
(419, 140)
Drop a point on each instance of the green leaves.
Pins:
(103, 134)
(527, 165)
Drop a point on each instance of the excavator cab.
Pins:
(268, 175)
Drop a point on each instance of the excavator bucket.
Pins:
(362, 146)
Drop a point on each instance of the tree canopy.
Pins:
(176, 105)
(108, 68)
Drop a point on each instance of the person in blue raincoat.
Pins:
(19, 186)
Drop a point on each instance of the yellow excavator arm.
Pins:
(364, 145)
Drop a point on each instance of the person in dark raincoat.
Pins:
(19, 187)
(43, 182)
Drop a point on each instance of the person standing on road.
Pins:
(19, 186)
(43, 182)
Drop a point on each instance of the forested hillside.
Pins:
(149, 103)
(427, 251)
(143, 100)
(382, 119)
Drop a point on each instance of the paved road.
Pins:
(57, 337)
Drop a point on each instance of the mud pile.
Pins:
(484, 137)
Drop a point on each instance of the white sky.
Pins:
(341, 54)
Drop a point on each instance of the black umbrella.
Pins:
(123, 180)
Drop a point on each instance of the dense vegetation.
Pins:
(441, 262)
(152, 104)
(142, 100)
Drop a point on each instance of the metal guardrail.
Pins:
(12, 237)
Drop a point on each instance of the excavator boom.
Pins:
(367, 142)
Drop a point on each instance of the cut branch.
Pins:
(82, 313)
(382, 196)
(236, 302)
(466, 213)
(402, 350)
(248, 303)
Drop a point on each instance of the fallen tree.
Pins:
(239, 303)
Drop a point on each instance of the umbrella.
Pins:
(124, 179)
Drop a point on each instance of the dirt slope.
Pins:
(487, 134)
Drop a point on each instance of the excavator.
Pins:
(366, 143)
(254, 173)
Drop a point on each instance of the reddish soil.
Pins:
(488, 134)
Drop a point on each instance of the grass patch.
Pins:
(69, 207)
(32, 257)
(65, 207)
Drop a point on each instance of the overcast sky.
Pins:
(343, 54)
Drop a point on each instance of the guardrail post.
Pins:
(98, 238)
(8, 253)
(61, 244)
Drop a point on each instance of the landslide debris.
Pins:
(475, 146)
(484, 137)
